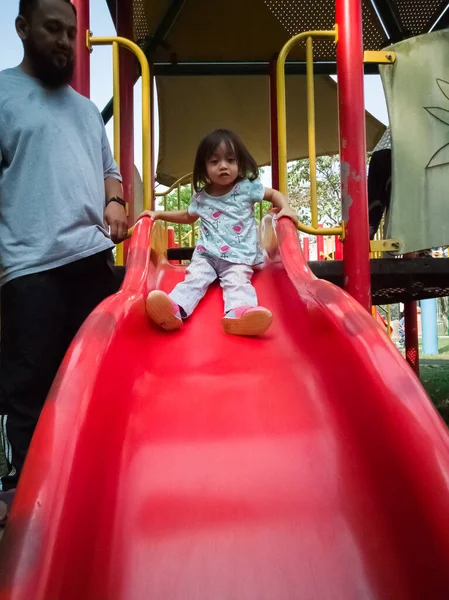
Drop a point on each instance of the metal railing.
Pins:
(282, 126)
(116, 43)
(186, 180)
(192, 235)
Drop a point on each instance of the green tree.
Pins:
(180, 201)
(328, 189)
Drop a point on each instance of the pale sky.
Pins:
(101, 68)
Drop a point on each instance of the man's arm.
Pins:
(114, 213)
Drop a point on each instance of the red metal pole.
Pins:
(320, 245)
(172, 243)
(274, 127)
(411, 335)
(411, 331)
(306, 248)
(338, 248)
(353, 150)
(127, 78)
(81, 76)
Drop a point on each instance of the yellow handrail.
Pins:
(311, 131)
(119, 251)
(282, 125)
(184, 180)
(116, 99)
(116, 42)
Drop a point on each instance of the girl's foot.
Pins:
(247, 320)
(163, 311)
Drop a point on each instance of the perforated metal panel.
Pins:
(417, 16)
(374, 37)
(140, 20)
(296, 17)
(302, 16)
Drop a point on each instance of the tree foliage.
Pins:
(180, 201)
(328, 189)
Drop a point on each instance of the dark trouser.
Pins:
(40, 315)
(379, 188)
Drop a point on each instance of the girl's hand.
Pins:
(150, 213)
(289, 213)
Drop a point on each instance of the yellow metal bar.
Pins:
(311, 131)
(379, 57)
(282, 120)
(119, 251)
(179, 226)
(185, 179)
(385, 245)
(339, 230)
(281, 102)
(116, 99)
(193, 224)
(146, 120)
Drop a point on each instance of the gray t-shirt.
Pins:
(54, 157)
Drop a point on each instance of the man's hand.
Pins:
(115, 217)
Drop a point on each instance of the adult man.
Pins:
(379, 182)
(60, 191)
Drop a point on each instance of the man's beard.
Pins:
(46, 71)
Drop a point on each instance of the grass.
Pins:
(435, 380)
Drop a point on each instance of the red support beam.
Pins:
(274, 127)
(411, 335)
(320, 245)
(81, 76)
(124, 27)
(353, 150)
(338, 249)
(411, 330)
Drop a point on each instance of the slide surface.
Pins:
(308, 464)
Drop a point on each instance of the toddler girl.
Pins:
(225, 178)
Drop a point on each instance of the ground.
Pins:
(434, 375)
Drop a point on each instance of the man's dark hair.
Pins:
(27, 7)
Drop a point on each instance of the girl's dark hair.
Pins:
(246, 163)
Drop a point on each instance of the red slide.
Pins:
(200, 466)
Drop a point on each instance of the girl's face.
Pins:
(222, 167)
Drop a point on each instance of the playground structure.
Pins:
(224, 467)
